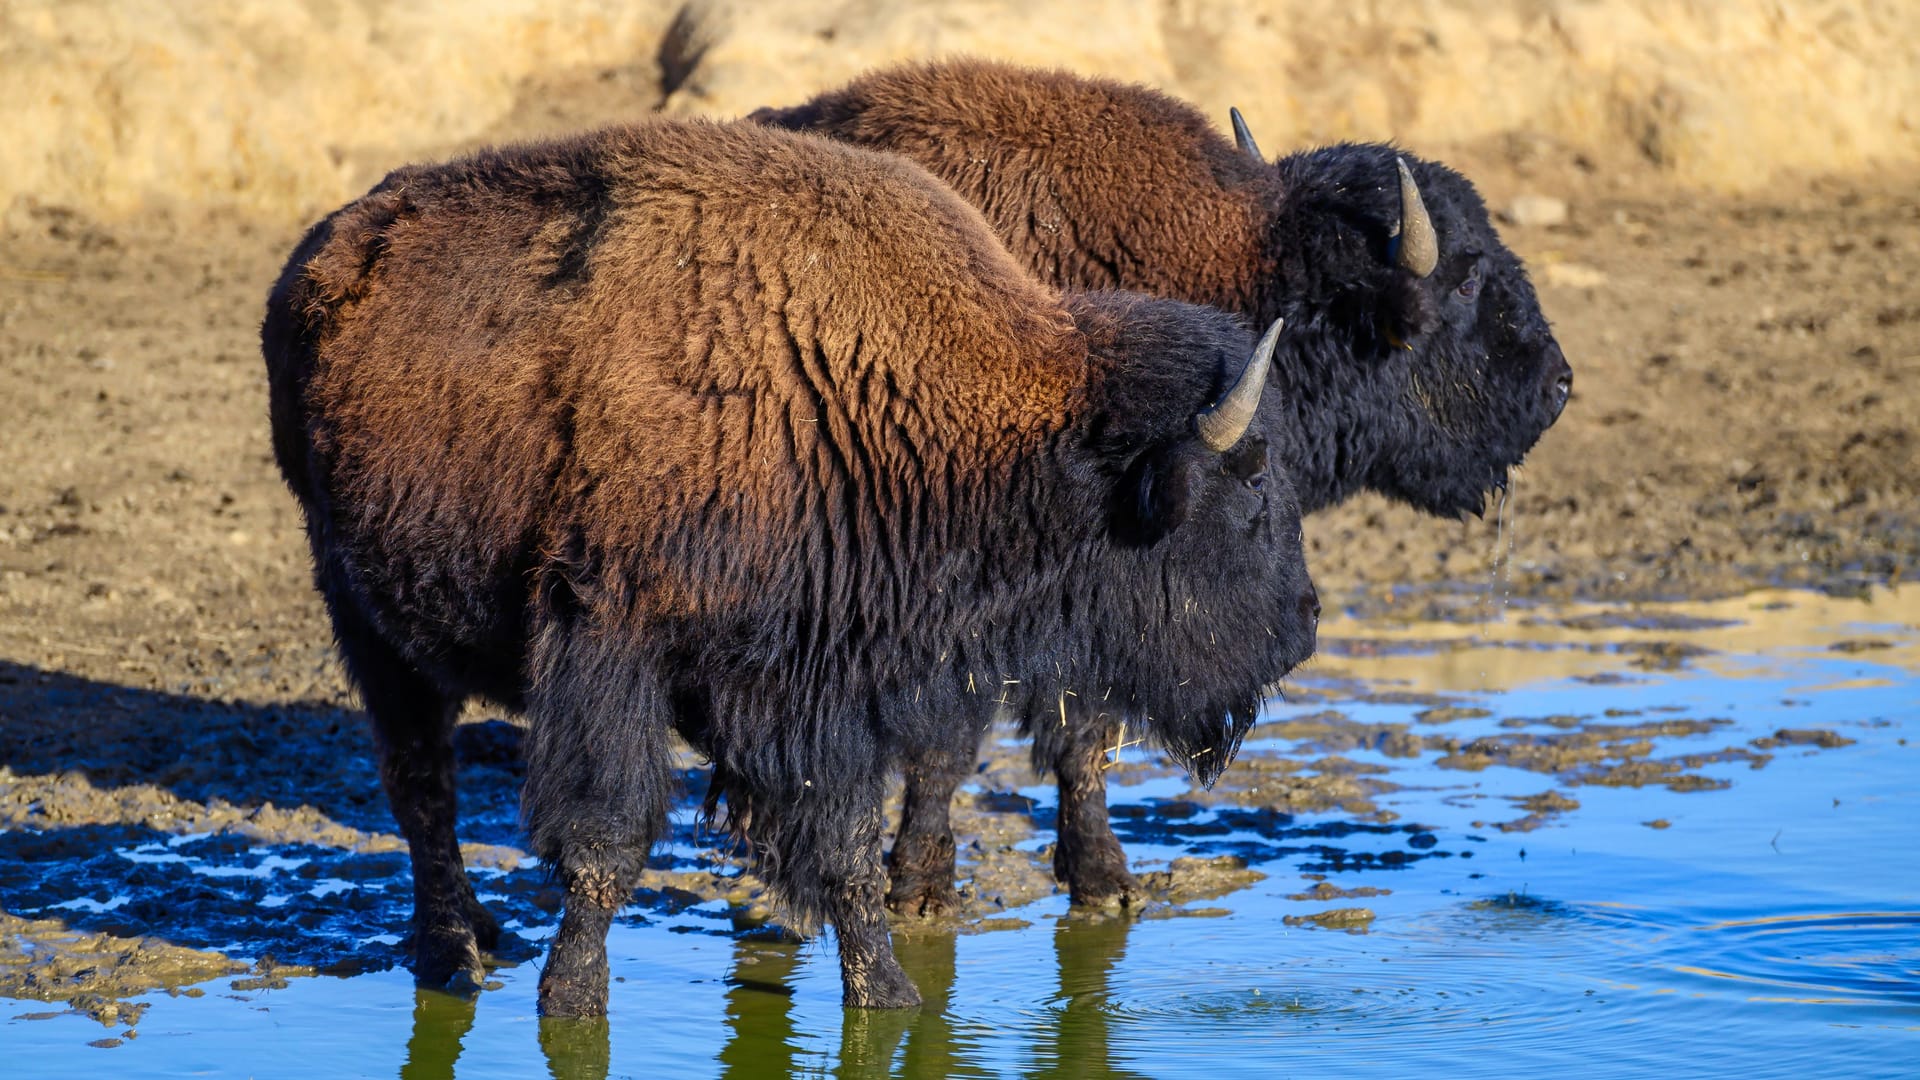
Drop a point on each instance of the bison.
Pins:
(1417, 361)
(767, 441)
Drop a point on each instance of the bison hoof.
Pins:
(923, 899)
(448, 958)
(560, 996)
(884, 988)
(1106, 889)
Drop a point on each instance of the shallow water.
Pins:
(1596, 840)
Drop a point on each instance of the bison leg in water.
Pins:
(921, 864)
(413, 722)
(825, 856)
(599, 784)
(1087, 857)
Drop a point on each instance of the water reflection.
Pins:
(1073, 1037)
(441, 1022)
(760, 1030)
(576, 1048)
(933, 1043)
(764, 1038)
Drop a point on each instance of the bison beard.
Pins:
(767, 441)
(1417, 362)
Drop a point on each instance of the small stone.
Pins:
(1575, 276)
(1535, 211)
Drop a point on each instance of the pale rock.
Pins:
(1535, 211)
(1568, 275)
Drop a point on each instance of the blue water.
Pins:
(1771, 929)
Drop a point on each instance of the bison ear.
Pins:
(1406, 312)
(1151, 500)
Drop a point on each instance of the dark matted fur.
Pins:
(766, 440)
(1097, 184)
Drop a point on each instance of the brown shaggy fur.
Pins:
(1425, 389)
(1091, 183)
(759, 438)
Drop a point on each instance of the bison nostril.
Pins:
(1310, 604)
(1559, 390)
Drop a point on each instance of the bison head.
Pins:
(1419, 362)
(1200, 588)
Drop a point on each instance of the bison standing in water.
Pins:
(765, 440)
(1417, 362)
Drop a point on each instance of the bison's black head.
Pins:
(1418, 363)
(1200, 587)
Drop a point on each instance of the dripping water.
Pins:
(1508, 530)
(1499, 571)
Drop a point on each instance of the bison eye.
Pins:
(1469, 288)
(1257, 481)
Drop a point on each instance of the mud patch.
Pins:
(1326, 890)
(1189, 879)
(1540, 809)
(92, 973)
(1353, 920)
(1824, 739)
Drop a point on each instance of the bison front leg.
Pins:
(1087, 857)
(921, 864)
(599, 784)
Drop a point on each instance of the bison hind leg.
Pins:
(819, 849)
(413, 723)
(599, 786)
(921, 866)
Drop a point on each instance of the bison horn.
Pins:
(1221, 425)
(1242, 137)
(1419, 246)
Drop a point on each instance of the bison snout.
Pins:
(1310, 606)
(1559, 383)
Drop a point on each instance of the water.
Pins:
(1649, 840)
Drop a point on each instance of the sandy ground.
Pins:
(1747, 371)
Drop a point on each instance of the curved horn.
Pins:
(1221, 425)
(1413, 234)
(1242, 137)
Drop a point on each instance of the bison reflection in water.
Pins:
(1417, 362)
(743, 434)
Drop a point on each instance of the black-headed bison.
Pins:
(765, 440)
(1416, 363)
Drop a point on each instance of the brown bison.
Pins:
(767, 441)
(1417, 362)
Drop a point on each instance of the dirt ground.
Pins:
(1747, 374)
